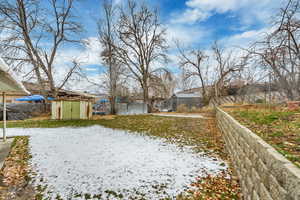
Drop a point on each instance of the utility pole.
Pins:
(270, 96)
(266, 91)
(4, 116)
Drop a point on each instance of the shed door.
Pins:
(89, 110)
(75, 110)
(67, 110)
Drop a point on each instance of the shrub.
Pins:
(195, 110)
(182, 108)
(260, 101)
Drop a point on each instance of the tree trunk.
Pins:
(113, 105)
(113, 88)
(216, 94)
(146, 98)
(4, 116)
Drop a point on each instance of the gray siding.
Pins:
(189, 102)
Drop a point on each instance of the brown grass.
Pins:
(15, 173)
(276, 125)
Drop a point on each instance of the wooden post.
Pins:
(4, 116)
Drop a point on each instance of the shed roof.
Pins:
(9, 82)
(35, 88)
(188, 95)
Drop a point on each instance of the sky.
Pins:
(194, 23)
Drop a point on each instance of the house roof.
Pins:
(196, 90)
(188, 91)
(9, 82)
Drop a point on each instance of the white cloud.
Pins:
(186, 35)
(248, 10)
(90, 55)
(245, 38)
(190, 16)
(91, 69)
(217, 5)
(117, 2)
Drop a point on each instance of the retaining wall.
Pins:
(263, 172)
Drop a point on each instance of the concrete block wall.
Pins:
(263, 172)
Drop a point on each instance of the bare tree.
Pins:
(108, 39)
(194, 64)
(279, 51)
(142, 42)
(226, 65)
(184, 83)
(35, 35)
(162, 84)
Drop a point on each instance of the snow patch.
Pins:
(102, 161)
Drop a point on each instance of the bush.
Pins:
(182, 108)
(195, 110)
(260, 101)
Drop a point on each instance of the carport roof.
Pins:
(9, 82)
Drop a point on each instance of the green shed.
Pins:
(71, 109)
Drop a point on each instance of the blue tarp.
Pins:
(50, 98)
(34, 98)
(31, 98)
(103, 101)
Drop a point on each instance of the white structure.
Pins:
(9, 84)
(67, 109)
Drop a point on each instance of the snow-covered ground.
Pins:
(102, 161)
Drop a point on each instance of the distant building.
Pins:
(188, 99)
(99, 97)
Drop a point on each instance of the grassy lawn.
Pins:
(277, 126)
(199, 133)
